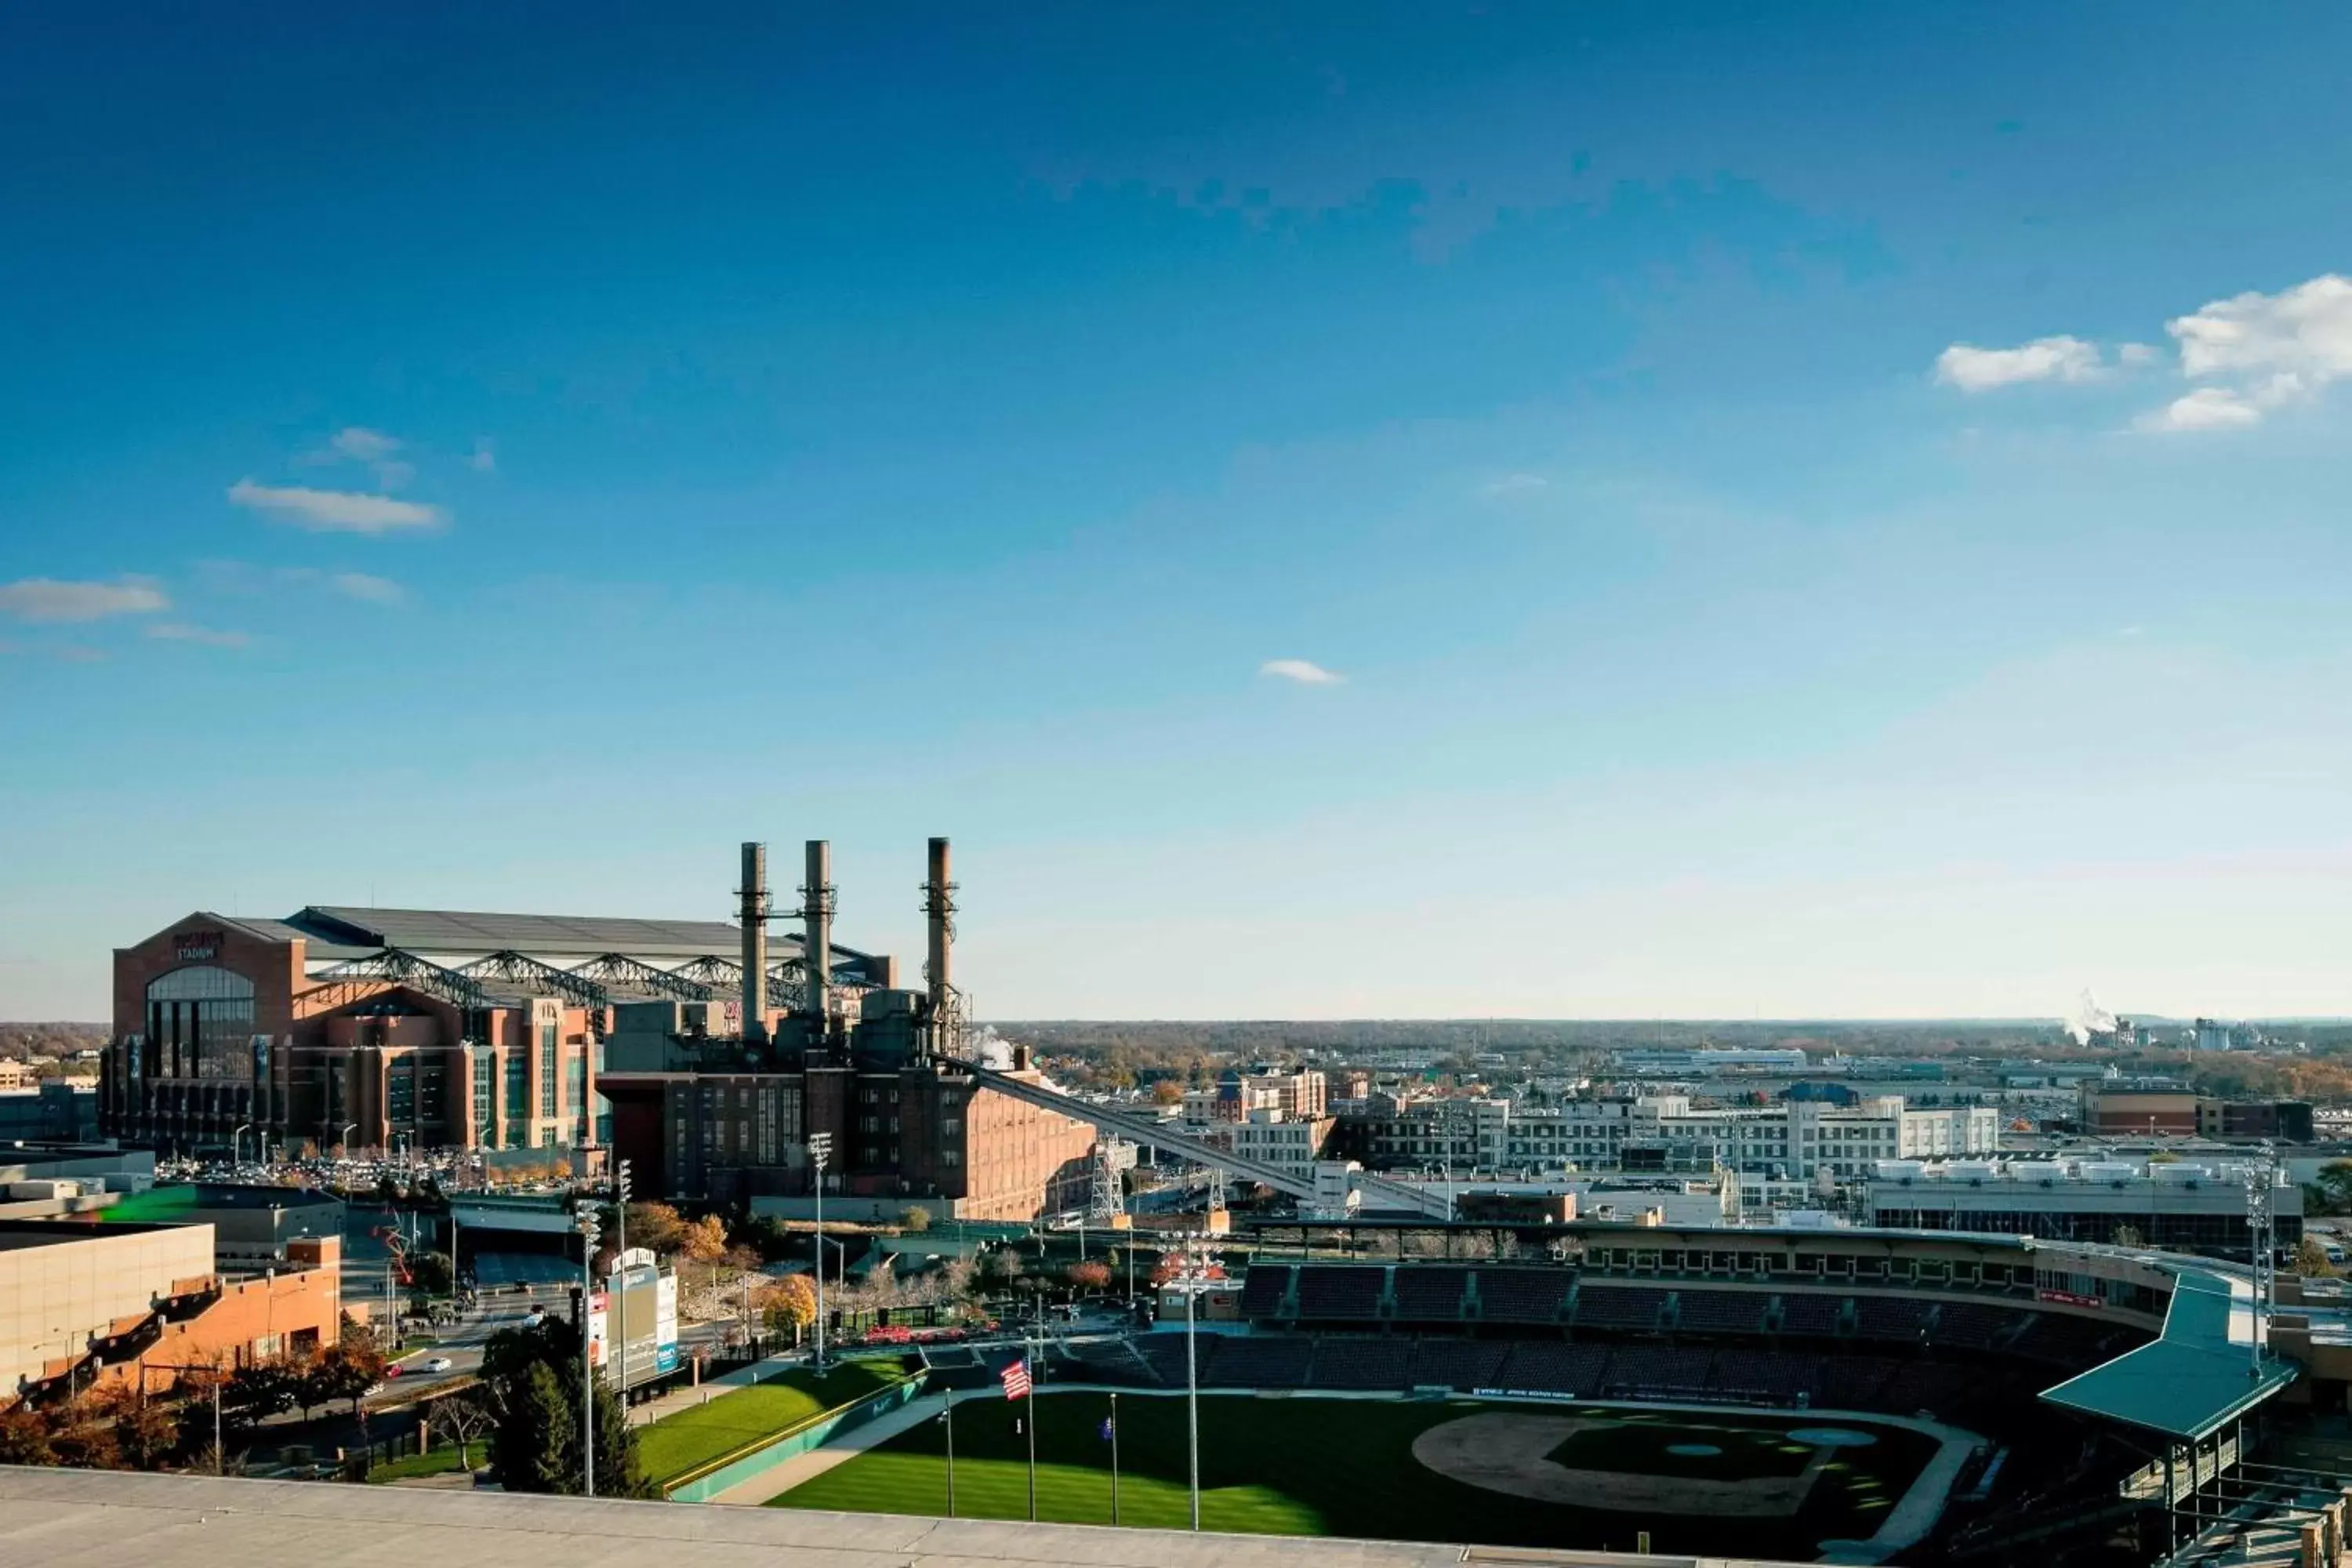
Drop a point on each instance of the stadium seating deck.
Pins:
(1340, 1291)
(1264, 1288)
(1809, 1312)
(1429, 1295)
(1974, 1325)
(1619, 1306)
(1721, 1311)
(1522, 1295)
(1341, 1362)
(1555, 1368)
(1457, 1364)
(1899, 1318)
(1260, 1361)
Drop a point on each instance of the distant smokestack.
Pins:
(939, 904)
(816, 910)
(755, 915)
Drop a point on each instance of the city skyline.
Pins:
(1343, 514)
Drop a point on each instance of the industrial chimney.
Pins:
(816, 910)
(938, 905)
(755, 915)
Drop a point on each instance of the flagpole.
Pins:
(951, 1420)
(1032, 1397)
(1114, 1457)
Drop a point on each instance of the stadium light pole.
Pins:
(1192, 1381)
(589, 1232)
(621, 1296)
(820, 1148)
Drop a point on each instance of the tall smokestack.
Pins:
(817, 912)
(755, 915)
(939, 904)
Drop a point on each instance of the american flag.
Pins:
(1015, 1379)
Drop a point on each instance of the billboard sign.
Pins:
(645, 1297)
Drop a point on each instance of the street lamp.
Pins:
(820, 1148)
(589, 1231)
(343, 1138)
(239, 1130)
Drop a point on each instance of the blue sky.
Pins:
(1780, 510)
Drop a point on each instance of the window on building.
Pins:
(483, 1131)
(575, 1074)
(199, 1025)
(518, 1099)
(547, 1070)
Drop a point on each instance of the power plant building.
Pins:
(706, 1113)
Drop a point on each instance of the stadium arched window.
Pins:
(200, 1018)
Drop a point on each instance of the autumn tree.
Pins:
(1088, 1276)
(790, 1304)
(657, 1227)
(703, 1240)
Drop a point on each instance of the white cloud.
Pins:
(2260, 351)
(1973, 369)
(485, 455)
(362, 585)
(1515, 485)
(46, 599)
(1300, 670)
(363, 445)
(335, 512)
(181, 631)
(2207, 409)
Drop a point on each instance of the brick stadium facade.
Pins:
(223, 1024)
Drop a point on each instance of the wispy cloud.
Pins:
(181, 631)
(485, 459)
(336, 512)
(1514, 485)
(1973, 369)
(48, 599)
(373, 589)
(358, 444)
(1300, 670)
(363, 445)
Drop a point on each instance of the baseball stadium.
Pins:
(1835, 1396)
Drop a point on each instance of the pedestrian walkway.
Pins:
(710, 1388)
(807, 1466)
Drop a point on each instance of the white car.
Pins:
(439, 1364)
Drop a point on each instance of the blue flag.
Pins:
(1106, 1429)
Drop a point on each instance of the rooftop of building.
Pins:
(24, 1234)
(81, 1519)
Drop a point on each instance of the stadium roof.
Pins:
(457, 930)
(88, 1519)
(2195, 1378)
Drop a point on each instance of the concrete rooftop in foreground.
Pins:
(93, 1519)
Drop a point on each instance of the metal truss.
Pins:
(626, 973)
(398, 968)
(516, 969)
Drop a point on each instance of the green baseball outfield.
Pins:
(1742, 1483)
